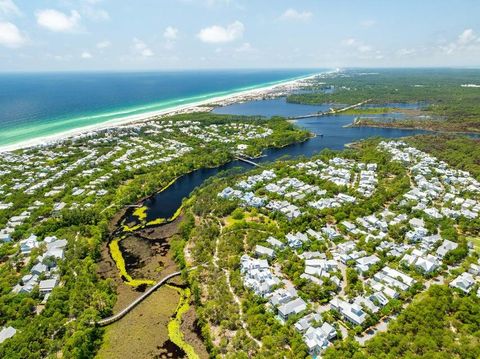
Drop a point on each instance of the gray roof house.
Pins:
(275, 242)
(445, 247)
(350, 312)
(47, 285)
(464, 282)
(306, 322)
(264, 251)
(295, 306)
(39, 268)
(7, 333)
(28, 244)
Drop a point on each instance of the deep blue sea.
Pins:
(36, 105)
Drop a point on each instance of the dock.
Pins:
(332, 111)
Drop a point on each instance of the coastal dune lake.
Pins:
(330, 133)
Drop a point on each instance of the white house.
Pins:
(27, 245)
(295, 306)
(464, 282)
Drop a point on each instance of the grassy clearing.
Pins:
(248, 217)
(143, 331)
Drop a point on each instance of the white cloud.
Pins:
(362, 50)
(170, 33)
(467, 40)
(10, 35)
(466, 37)
(103, 44)
(141, 48)
(292, 14)
(86, 55)
(57, 21)
(218, 34)
(8, 7)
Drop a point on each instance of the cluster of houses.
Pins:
(386, 284)
(287, 195)
(335, 202)
(437, 191)
(285, 302)
(317, 334)
(345, 173)
(44, 270)
(144, 153)
(318, 268)
(257, 275)
(223, 133)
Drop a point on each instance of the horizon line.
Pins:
(2, 72)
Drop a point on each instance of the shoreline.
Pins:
(241, 95)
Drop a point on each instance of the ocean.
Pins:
(34, 105)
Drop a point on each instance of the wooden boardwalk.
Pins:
(125, 311)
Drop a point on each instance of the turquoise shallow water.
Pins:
(37, 105)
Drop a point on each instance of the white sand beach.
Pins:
(250, 94)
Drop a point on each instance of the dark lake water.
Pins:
(330, 132)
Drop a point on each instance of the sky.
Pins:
(82, 35)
